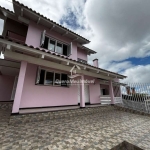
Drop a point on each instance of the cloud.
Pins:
(138, 74)
(121, 28)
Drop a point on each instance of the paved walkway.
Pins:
(102, 130)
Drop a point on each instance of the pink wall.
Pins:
(6, 86)
(82, 54)
(45, 96)
(34, 37)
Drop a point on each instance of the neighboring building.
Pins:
(37, 53)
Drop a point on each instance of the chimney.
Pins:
(95, 62)
(133, 90)
(128, 90)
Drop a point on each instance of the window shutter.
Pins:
(38, 75)
(70, 49)
(42, 38)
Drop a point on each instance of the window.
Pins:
(45, 77)
(56, 46)
(82, 61)
(42, 76)
(51, 45)
(49, 78)
(57, 79)
(64, 79)
(59, 48)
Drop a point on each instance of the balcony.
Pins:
(16, 37)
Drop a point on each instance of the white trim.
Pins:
(41, 62)
(54, 72)
(57, 41)
(33, 51)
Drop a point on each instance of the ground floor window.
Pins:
(47, 77)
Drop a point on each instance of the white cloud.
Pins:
(138, 74)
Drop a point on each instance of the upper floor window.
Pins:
(82, 61)
(55, 45)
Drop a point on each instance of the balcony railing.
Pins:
(16, 37)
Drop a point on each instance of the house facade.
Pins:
(39, 58)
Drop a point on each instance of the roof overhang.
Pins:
(26, 14)
(21, 52)
(103, 81)
(89, 51)
(8, 67)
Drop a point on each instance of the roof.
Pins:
(90, 51)
(32, 14)
(61, 56)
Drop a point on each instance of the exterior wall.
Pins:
(6, 86)
(45, 96)
(34, 37)
(48, 96)
(81, 54)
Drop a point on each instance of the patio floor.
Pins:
(103, 129)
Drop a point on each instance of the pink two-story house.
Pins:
(37, 54)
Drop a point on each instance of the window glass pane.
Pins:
(64, 79)
(57, 79)
(82, 61)
(59, 48)
(51, 45)
(65, 49)
(46, 43)
(49, 78)
(42, 75)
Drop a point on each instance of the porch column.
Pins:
(111, 92)
(82, 102)
(19, 88)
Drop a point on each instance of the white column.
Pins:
(82, 101)
(19, 88)
(111, 92)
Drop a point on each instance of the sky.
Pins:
(119, 31)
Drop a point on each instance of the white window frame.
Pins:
(52, 71)
(57, 41)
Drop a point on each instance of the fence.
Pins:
(136, 96)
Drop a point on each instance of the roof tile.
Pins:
(47, 51)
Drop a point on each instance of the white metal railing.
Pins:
(118, 100)
(136, 96)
